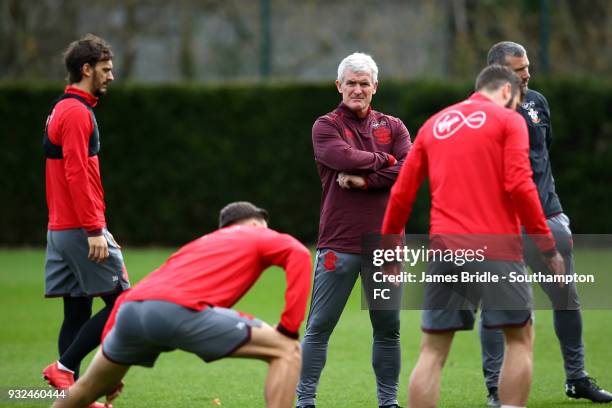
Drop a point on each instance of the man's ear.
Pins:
(338, 86)
(507, 92)
(375, 87)
(87, 70)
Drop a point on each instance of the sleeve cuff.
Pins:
(284, 331)
(550, 253)
(94, 233)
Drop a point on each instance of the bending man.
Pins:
(184, 305)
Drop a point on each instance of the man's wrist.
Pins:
(550, 253)
(94, 233)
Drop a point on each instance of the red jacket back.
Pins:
(475, 154)
(217, 269)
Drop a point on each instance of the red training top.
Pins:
(373, 147)
(476, 156)
(219, 268)
(75, 197)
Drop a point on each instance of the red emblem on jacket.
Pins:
(382, 134)
(330, 260)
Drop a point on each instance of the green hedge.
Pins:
(173, 155)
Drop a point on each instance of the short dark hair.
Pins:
(495, 76)
(498, 53)
(90, 49)
(239, 211)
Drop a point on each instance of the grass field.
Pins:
(30, 324)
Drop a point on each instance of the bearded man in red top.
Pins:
(475, 154)
(83, 260)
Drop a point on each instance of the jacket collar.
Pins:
(351, 114)
(89, 98)
(477, 96)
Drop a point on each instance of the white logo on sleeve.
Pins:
(240, 325)
(531, 111)
(450, 122)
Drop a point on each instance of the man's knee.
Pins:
(390, 334)
(562, 298)
(520, 336)
(385, 324)
(291, 352)
(286, 350)
(435, 347)
(268, 344)
(321, 324)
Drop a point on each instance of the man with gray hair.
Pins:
(358, 153)
(567, 317)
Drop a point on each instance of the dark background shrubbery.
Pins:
(173, 155)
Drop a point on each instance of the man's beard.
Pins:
(98, 90)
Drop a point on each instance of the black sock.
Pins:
(88, 338)
(77, 311)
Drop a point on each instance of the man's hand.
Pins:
(351, 181)
(391, 160)
(556, 264)
(98, 248)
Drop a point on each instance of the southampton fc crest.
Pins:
(533, 114)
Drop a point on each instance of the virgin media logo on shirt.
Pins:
(450, 122)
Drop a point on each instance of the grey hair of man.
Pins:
(498, 53)
(358, 62)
